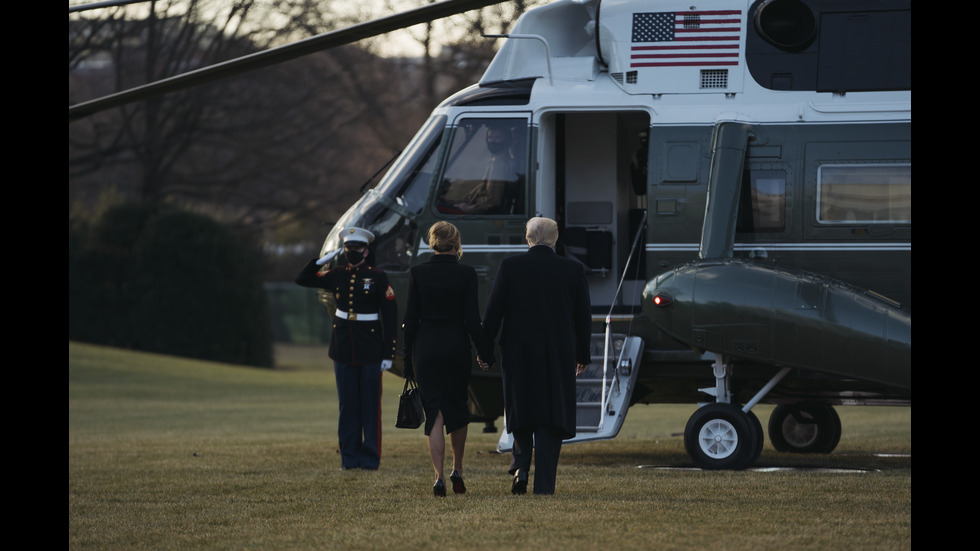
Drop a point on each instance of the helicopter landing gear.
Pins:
(721, 435)
(806, 427)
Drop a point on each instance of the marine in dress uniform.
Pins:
(363, 344)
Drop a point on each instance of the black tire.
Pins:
(759, 436)
(835, 429)
(804, 428)
(721, 436)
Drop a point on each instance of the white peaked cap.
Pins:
(358, 235)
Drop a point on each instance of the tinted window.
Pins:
(864, 193)
(486, 172)
(763, 208)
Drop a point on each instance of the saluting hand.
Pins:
(328, 257)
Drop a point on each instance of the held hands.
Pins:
(385, 365)
(484, 366)
(328, 257)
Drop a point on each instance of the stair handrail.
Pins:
(603, 401)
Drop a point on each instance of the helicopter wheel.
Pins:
(760, 439)
(722, 436)
(808, 427)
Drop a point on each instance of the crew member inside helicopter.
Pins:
(495, 189)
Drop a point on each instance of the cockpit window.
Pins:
(486, 173)
(394, 239)
(408, 181)
(394, 234)
(389, 210)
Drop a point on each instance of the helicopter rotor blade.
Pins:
(273, 56)
(99, 5)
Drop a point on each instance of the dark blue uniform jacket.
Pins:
(363, 290)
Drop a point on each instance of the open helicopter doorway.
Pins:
(593, 177)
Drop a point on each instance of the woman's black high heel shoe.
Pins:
(439, 489)
(458, 486)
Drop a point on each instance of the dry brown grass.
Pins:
(173, 453)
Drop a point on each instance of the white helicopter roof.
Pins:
(662, 54)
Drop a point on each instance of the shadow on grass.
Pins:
(641, 456)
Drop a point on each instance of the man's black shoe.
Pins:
(519, 486)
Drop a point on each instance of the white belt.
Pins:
(354, 316)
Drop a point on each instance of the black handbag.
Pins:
(411, 415)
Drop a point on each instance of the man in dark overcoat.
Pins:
(362, 346)
(540, 305)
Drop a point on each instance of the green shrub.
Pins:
(164, 280)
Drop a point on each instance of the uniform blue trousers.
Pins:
(359, 429)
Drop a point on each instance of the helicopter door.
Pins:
(592, 180)
(600, 189)
(598, 174)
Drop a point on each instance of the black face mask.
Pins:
(497, 148)
(354, 257)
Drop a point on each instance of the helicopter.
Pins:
(733, 175)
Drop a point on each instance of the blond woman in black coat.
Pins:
(441, 319)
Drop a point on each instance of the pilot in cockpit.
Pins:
(489, 194)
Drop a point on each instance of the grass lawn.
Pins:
(167, 453)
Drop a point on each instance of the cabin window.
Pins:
(486, 173)
(870, 194)
(763, 202)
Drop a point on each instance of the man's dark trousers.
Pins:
(545, 442)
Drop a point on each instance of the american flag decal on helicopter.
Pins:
(688, 39)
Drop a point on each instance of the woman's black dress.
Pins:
(441, 319)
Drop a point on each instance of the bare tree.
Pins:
(222, 143)
(293, 142)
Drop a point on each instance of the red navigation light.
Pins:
(662, 300)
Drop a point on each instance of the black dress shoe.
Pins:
(457, 479)
(519, 486)
(439, 489)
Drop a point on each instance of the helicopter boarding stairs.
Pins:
(602, 391)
